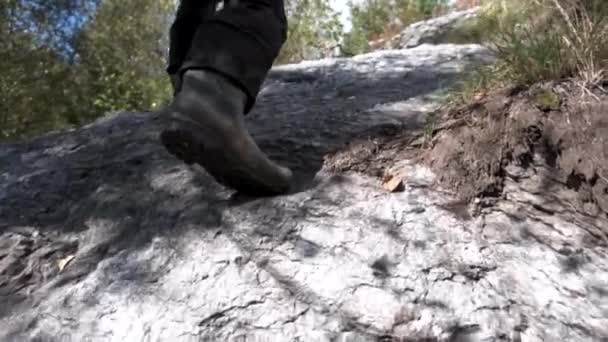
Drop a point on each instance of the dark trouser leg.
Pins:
(240, 42)
(227, 61)
(190, 15)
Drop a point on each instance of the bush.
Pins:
(32, 83)
(314, 31)
(542, 40)
(121, 60)
(536, 41)
(382, 19)
(67, 62)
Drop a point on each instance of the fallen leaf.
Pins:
(393, 183)
(62, 263)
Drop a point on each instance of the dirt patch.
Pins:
(558, 127)
(371, 152)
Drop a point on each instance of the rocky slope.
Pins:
(105, 237)
(432, 31)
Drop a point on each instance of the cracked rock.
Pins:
(163, 253)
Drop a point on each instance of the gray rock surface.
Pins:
(430, 31)
(162, 253)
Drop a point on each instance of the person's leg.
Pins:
(230, 56)
(189, 16)
(241, 41)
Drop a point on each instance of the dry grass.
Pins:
(537, 41)
(585, 36)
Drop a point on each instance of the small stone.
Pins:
(393, 184)
(62, 263)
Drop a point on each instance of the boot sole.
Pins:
(184, 140)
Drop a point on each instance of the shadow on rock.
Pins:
(110, 189)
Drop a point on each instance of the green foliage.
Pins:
(430, 125)
(467, 32)
(371, 17)
(548, 39)
(479, 81)
(66, 62)
(368, 19)
(120, 56)
(547, 99)
(375, 19)
(314, 30)
(31, 73)
(355, 42)
(536, 41)
(410, 11)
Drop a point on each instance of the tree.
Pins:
(368, 19)
(34, 62)
(375, 19)
(66, 62)
(314, 30)
(120, 56)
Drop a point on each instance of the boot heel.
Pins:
(181, 144)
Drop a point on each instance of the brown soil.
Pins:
(555, 127)
(372, 151)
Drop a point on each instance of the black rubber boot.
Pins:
(206, 126)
